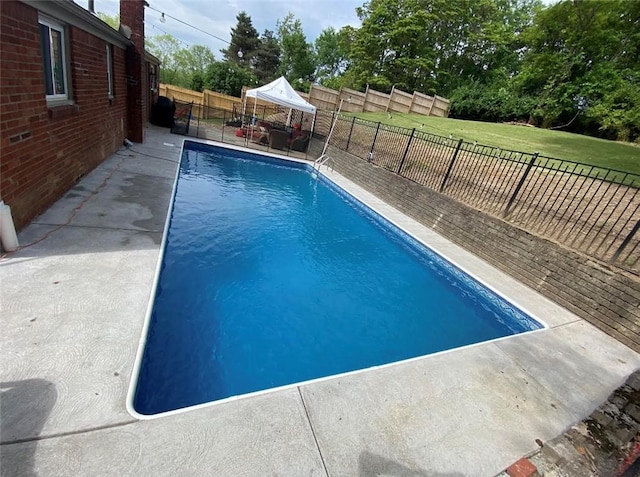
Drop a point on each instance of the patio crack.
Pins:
(69, 433)
(313, 432)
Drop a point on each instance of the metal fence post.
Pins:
(350, 131)
(333, 118)
(373, 144)
(449, 169)
(625, 242)
(224, 121)
(406, 150)
(520, 183)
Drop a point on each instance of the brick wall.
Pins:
(44, 151)
(132, 15)
(606, 297)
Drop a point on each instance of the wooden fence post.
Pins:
(364, 104)
(433, 101)
(393, 88)
(413, 99)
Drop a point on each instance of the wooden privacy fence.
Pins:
(324, 99)
(398, 101)
(202, 102)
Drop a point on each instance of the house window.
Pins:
(110, 70)
(54, 59)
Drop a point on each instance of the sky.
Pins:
(217, 17)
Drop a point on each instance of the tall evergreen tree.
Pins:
(267, 57)
(244, 38)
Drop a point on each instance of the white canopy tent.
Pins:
(280, 92)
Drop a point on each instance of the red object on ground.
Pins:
(630, 459)
(522, 468)
(240, 132)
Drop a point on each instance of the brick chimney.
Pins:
(132, 19)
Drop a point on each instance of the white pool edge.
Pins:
(145, 328)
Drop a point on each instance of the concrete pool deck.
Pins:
(72, 307)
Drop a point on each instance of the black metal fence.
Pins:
(591, 209)
(233, 127)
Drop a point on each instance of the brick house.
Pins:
(71, 90)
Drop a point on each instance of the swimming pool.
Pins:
(270, 277)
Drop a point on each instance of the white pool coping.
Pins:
(402, 222)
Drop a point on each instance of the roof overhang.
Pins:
(72, 14)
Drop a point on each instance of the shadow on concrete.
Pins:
(25, 408)
(371, 464)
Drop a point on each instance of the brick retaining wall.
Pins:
(604, 296)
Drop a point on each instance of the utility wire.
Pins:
(154, 26)
(189, 25)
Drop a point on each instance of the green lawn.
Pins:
(557, 144)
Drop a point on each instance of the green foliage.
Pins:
(332, 52)
(437, 45)
(180, 66)
(112, 21)
(296, 60)
(244, 38)
(197, 82)
(585, 54)
(267, 57)
(228, 77)
(494, 102)
(167, 49)
(573, 65)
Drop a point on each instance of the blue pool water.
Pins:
(270, 277)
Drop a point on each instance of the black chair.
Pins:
(300, 144)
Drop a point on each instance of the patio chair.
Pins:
(260, 136)
(300, 143)
(278, 139)
(181, 118)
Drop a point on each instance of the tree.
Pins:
(112, 21)
(437, 45)
(244, 42)
(392, 46)
(228, 77)
(267, 57)
(296, 61)
(167, 49)
(583, 65)
(332, 52)
(193, 63)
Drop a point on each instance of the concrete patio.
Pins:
(72, 310)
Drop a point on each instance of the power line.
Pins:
(188, 24)
(153, 25)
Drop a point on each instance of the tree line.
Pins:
(573, 65)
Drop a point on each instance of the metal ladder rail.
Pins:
(323, 159)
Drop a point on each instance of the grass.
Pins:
(556, 144)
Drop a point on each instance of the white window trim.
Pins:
(110, 71)
(52, 24)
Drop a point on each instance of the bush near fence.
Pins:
(590, 209)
